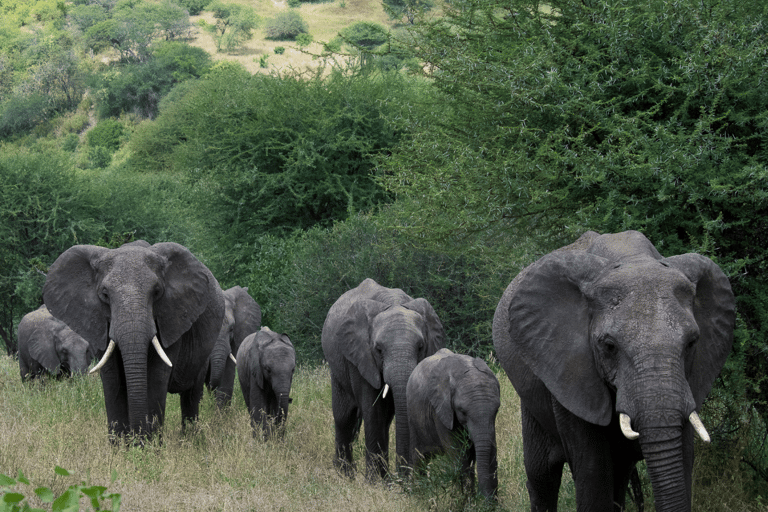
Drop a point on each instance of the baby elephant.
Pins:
(48, 344)
(452, 404)
(265, 364)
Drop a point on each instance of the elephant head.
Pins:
(618, 331)
(462, 395)
(385, 343)
(48, 343)
(242, 316)
(124, 300)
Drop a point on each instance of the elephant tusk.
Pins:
(161, 352)
(105, 357)
(386, 390)
(698, 426)
(626, 427)
(232, 358)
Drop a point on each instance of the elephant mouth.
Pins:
(111, 348)
(625, 422)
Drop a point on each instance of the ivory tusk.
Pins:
(386, 390)
(698, 426)
(626, 427)
(232, 358)
(105, 357)
(160, 351)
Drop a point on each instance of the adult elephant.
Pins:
(242, 316)
(612, 349)
(453, 400)
(373, 338)
(46, 344)
(154, 311)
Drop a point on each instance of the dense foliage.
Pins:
(286, 26)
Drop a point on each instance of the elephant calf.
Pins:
(265, 364)
(453, 397)
(48, 344)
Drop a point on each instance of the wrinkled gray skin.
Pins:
(453, 400)
(129, 295)
(374, 336)
(608, 326)
(46, 344)
(242, 316)
(265, 364)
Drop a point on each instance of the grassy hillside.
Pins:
(325, 20)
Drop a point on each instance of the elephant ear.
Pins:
(43, 348)
(247, 314)
(440, 389)
(549, 319)
(714, 308)
(190, 289)
(354, 335)
(435, 336)
(71, 294)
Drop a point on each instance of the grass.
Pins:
(220, 466)
(325, 20)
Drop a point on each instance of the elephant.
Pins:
(46, 344)
(373, 337)
(612, 349)
(242, 316)
(452, 396)
(265, 364)
(154, 311)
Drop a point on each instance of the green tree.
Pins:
(234, 25)
(408, 9)
(605, 115)
(286, 25)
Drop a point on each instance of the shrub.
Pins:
(194, 7)
(70, 142)
(279, 50)
(304, 39)
(106, 134)
(286, 25)
(234, 26)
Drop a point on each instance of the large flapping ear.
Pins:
(190, 289)
(549, 321)
(246, 311)
(354, 335)
(714, 308)
(71, 294)
(435, 336)
(440, 389)
(43, 345)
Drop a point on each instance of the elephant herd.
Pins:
(611, 347)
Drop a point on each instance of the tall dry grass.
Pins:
(221, 466)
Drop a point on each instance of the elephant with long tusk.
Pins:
(612, 349)
(154, 311)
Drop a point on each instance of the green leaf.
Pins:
(45, 494)
(94, 491)
(21, 478)
(6, 480)
(61, 471)
(70, 500)
(12, 497)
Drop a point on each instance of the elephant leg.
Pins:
(376, 421)
(468, 459)
(588, 453)
(190, 401)
(347, 419)
(544, 460)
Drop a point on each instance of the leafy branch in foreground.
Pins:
(69, 501)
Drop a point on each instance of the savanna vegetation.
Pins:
(439, 150)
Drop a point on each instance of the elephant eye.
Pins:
(157, 292)
(609, 346)
(103, 295)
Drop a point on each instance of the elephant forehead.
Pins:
(398, 317)
(638, 283)
(132, 259)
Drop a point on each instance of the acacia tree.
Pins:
(549, 120)
(234, 25)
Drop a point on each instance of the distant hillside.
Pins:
(325, 20)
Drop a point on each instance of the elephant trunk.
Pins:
(663, 452)
(486, 464)
(282, 407)
(402, 432)
(218, 361)
(135, 366)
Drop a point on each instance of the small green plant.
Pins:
(263, 60)
(279, 50)
(303, 40)
(14, 501)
